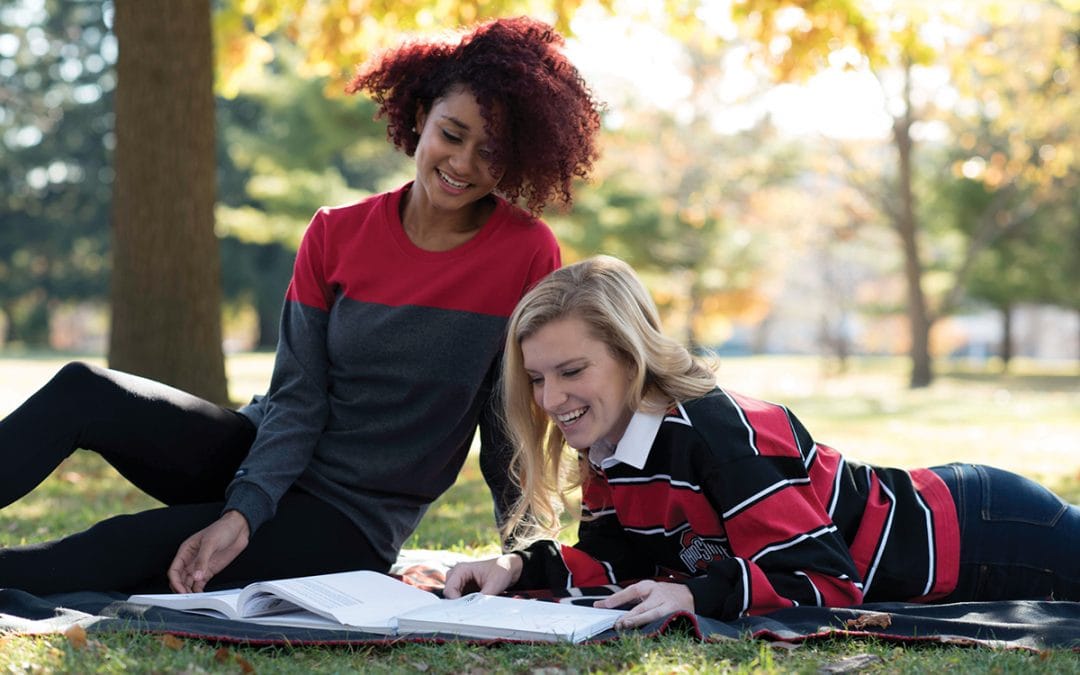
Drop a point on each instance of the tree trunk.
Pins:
(1006, 337)
(918, 317)
(166, 278)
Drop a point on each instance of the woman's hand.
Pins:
(654, 600)
(207, 552)
(490, 577)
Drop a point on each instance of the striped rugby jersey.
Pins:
(385, 365)
(732, 496)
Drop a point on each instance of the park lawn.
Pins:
(1026, 421)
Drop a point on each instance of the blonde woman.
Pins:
(698, 499)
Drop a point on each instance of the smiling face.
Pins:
(453, 155)
(576, 380)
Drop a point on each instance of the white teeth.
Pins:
(451, 182)
(566, 418)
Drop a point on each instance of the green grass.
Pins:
(1027, 421)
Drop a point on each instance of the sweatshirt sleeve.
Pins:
(296, 408)
(496, 454)
(603, 554)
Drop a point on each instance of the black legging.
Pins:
(177, 448)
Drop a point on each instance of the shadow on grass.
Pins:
(1041, 382)
(83, 490)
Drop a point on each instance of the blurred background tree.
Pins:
(56, 141)
(166, 276)
(945, 71)
(755, 229)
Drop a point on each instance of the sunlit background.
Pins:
(751, 167)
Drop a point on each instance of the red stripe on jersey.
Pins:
(584, 569)
(835, 592)
(642, 505)
(823, 474)
(763, 597)
(758, 526)
(595, 494)
(946, 531)
(867, 539)
(772, 429)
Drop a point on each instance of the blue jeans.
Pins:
(1018, 540)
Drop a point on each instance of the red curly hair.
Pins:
(544, 134)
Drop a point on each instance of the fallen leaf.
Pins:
(870, 620)
(76, 637)
(222, 655)
(245, 665)
(170, 641)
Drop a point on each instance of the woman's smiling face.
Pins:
(577, 381)
(453, 156)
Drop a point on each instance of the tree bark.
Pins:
(919, 319)
(166, 278)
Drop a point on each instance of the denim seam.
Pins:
(987, 505)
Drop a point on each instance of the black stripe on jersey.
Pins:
(931, 551)
(794, 541)
(884, 536)
(751, 435)
(659, 529)
(747, 594)
(589, 513)
(762, 494)
(812, 585)
(681, 418)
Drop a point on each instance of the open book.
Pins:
(377, 603)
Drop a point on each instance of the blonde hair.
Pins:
(606, 294)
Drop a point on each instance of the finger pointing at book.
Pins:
(207, 552)
(490, 577)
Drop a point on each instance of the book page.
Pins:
(362, 599)
(490, 616)
(264, 604)
(212, 603)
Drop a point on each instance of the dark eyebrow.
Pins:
(456, 122)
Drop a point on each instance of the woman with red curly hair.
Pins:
(387, 358)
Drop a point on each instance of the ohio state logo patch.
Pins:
(697, 551)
